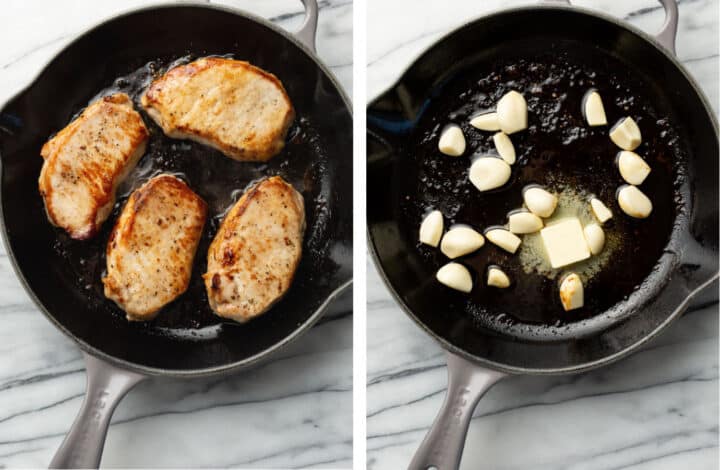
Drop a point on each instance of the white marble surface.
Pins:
(657, 410)
(294, 412)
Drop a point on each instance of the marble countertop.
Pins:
(293, 412)
(657, 410)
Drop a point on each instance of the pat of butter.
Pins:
(564, 242)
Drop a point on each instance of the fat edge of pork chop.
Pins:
(230, 105)
(151, 249)
(87, 160)
(254, 256)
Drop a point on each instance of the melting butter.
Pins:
(571, 203)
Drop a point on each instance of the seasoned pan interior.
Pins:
(553, 56)
(558, 151)
(124, 55)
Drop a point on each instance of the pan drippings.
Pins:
(558, 151)
(220, 181)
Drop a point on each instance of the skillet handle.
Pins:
(668, 31)
(443, 446)
(307, 32)
(106, 385)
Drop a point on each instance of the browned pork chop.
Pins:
(253, 258)
(151, 248)
(230, 105)
(85, 162)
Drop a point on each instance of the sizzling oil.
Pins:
(559, 151)
(220, 181)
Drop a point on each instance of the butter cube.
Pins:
(565, 243)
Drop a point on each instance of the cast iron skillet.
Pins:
(62, 276)
(479, 355)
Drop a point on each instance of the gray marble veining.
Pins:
(657, 410)
(293, 412)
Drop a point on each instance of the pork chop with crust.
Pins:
(252, 260)
(230, 105)
(87, 160)
(152, 246)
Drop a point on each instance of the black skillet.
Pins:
(552, 52)
(62, 276)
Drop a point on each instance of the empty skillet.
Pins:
(552, 53)
(63, 276)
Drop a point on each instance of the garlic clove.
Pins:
(452, 141)
(456, 276)
(431, 228)
(539, 201)
(496, 277)
(634, 202)
(485, 122)
(488, 173)
(572, 294)
(595, 238)
(522, 221)
(512, 112)
(460, 241)
(593, 109)
(503, 238)
(504, 147)
(632, 167)
(600, 210)
(626, 134)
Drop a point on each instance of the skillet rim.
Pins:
(124, 364)
(682, 303)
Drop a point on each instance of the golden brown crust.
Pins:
(253, 258)
(85, 162)
(151, 249)
(231, 105)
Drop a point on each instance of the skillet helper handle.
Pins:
(443, 446)
(668, 31)
(106, 386)
(307, 32)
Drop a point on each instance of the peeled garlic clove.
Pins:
(431, 228)
(512, 112)
(595, 238)
(488, 173)
(504, 147)
(593, 109)
(505, 239)
(634, 202)
(539, 201)
(572, 294)
(626, 134)
(497, 278)
(601, 211)
(456, 276)
(452, 141)
(485, 122)
(460, 241)
(632, 167)
(522, 221)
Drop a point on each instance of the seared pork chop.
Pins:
(151, 248)
(85, 162)
(253, 258)
(230, 105)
